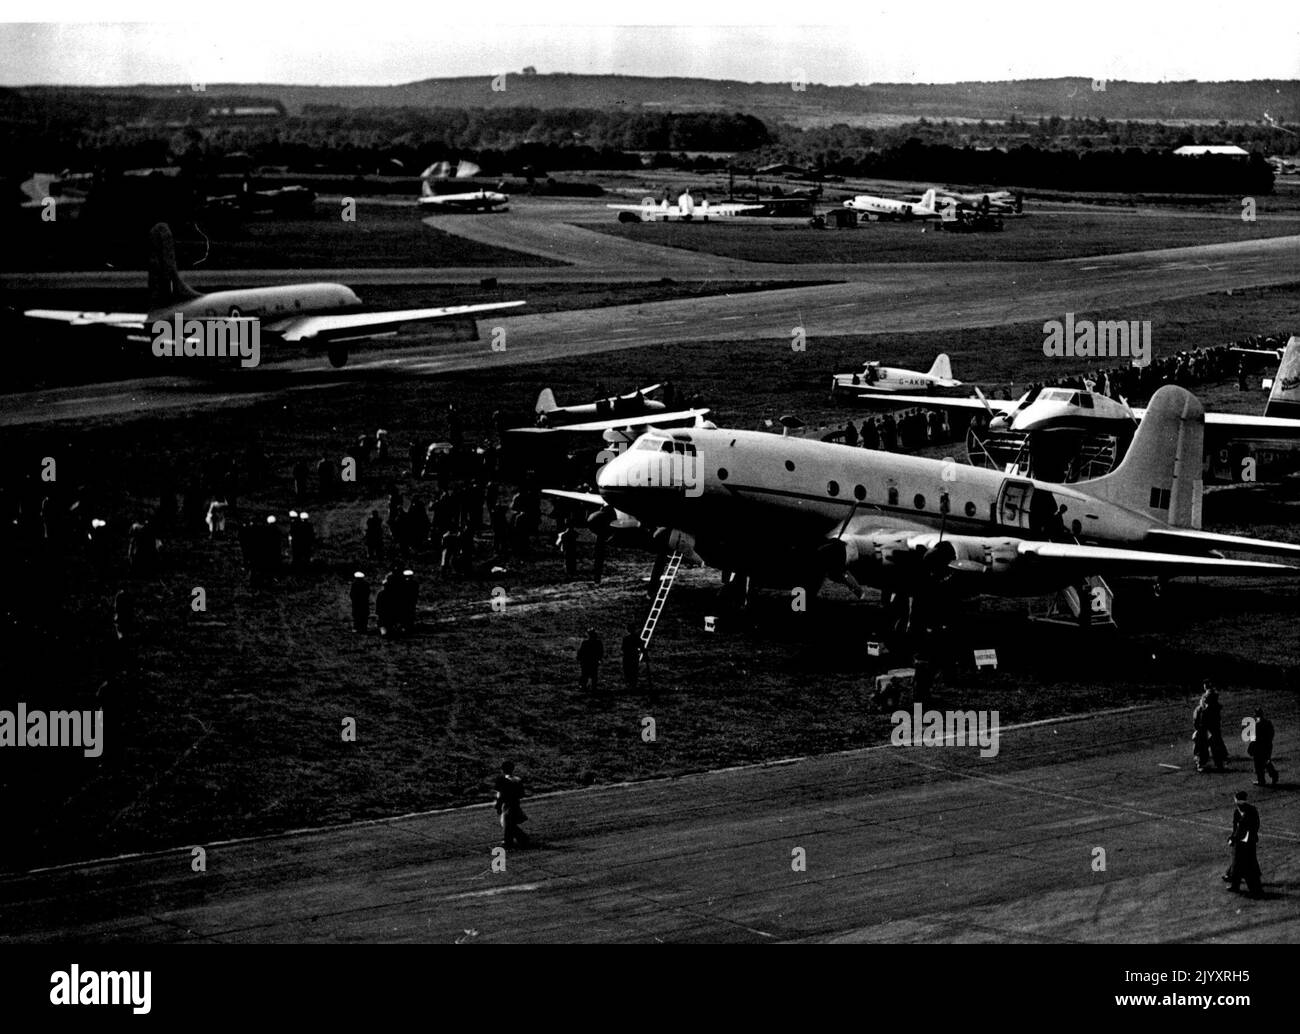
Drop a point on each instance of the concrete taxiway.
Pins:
(896, 297)
(1092, 829)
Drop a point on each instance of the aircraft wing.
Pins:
(125, 320)
(590, 498)
(1244, 422)
(1114, 561)
(462, 204)
(645, 420)
(890, 400)
(1176, 538)
(303, 328)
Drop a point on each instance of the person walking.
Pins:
(509, 795)
(1244, 840)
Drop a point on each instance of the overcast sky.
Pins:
(939, 41)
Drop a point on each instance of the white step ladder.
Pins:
(661, 597)
(1064, 607)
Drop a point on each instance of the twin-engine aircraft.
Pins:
(686, 209)
(631, 411)
(1003, 202)
(785, 511)
(886, 208)
(876, 379)
(470, 201)
(323, 315)
(465, 201)
(1271, 440)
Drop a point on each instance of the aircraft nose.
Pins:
(609, 475)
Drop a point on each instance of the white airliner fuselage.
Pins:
(888, 208)
(788, 511)
(322, 314)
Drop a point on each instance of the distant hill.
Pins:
(812, 105)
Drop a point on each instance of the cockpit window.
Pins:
(1085, 401)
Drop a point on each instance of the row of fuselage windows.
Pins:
(918, 500)
(860, 494)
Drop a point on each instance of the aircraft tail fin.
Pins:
(546, 401)
(942, 367)
(166, 288)
(927, 199)
(1284, 399)
(1160, 474)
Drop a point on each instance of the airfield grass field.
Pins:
(228, 722)
(380, 236)
(1032, 238)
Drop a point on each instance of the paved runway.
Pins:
(896, 298)
(901, 844)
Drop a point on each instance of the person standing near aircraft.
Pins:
(1200, 737)
(375, 536)
(590, 653)
(889, 434)
(1214, 724)
(568, 543)
(509, 795)
(1261, 749)
(600, 523)
(1244, 840)
(631, 648)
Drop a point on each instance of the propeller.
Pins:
(834, 557)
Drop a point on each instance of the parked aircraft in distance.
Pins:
(1003, 202)
(465, 201)
(885, 208)
(685, 210)
(876, 379)
(323, 315)
(617, 411)
(291, 200)
(1271, 441)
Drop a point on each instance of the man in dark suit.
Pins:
(1244, 840)
(510, 792)
(1261, 749)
